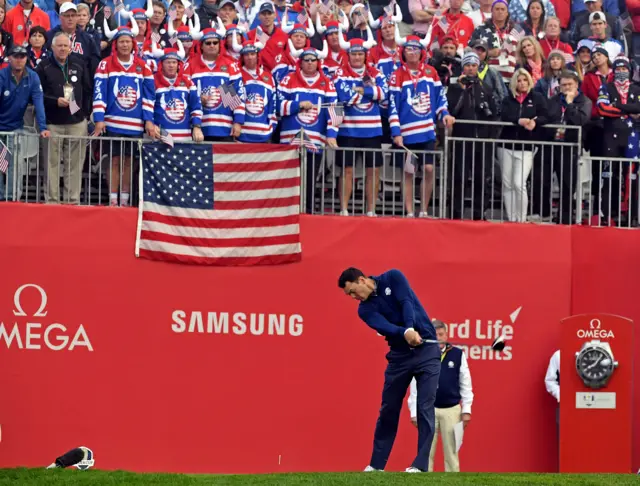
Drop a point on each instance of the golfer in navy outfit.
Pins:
(388, 305)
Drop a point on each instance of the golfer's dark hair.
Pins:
(351, 274)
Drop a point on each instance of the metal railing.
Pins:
(464, 178)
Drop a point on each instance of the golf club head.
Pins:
(499, 343)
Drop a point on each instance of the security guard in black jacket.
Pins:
(470, 99)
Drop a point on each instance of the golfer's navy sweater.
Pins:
(393, 308)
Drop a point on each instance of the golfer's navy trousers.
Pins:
(422, 362)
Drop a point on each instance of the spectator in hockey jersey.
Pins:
(416, 103)
(277, 40)
(177, 105)
(184, 35)
(260, 117)
(330, 33)
(209, 72)
(300, 36)
(386, 54)
(123, 101)
(143, 39)
(301, 96)
(19, 20)
(502, 45)
(361, 88)
(82, 44)
(66, 85)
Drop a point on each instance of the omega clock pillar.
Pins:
(596, 394)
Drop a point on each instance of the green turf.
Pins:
(23, 477)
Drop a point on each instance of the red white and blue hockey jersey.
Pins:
(260, 117)
(316, 122)
(217, 119)
(361, 112)
(123, 98)
(415, 100)
(178, 107)
(333, 62)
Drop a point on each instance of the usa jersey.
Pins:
(177, 107)
(386, 62)
(217, 119)
(285, 64)
(123, 98)
(260, 117)
(415, 100)
(316, 123)
(361, 111)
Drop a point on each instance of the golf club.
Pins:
(497, 345)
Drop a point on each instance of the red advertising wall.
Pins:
(164, 367)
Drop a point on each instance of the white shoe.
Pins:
(344, 212)
(371, 214)
(410, 215)
(371, 469)
(412, 470)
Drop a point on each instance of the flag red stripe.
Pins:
(221, 242)
(221, 223)
(256, 167)
(252, 148)
(234, 261)
(256, 185)
(257, 203)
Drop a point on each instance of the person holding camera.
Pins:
(446, 61)
(470, 99)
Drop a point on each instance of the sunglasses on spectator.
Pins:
(310, 59)
(212, 43)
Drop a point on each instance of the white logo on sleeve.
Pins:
(387, 291)
(451, 364)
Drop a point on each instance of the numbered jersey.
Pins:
(260, 109)
(315, 121)
(123, 98)
(416, 100)
(361, 111)
(219, 111)
(177, 107)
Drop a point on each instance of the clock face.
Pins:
(594, 365)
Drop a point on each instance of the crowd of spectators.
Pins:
(339, 74)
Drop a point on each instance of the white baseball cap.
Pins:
(66, 6)
(596, 17)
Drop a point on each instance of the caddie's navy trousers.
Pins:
(423, 363)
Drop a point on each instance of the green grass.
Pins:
(23, 477)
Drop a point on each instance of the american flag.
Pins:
(325, 7)
(302, 140)
(228, 204)
(119, 6)
(302, 17)
(517, 32)
(336, 114)
(5, 155)
(166, 137)
(173, 12)
(189, 11)
(262, 36)
(230, 98)
(389, 10)
(243, 25)
(443, 23)
(155, 37)
(73, 106)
